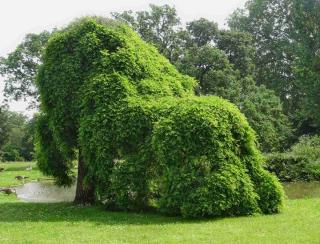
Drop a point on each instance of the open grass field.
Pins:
(7, 177)
(65, 223)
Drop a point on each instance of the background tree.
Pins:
(4, 127)
(19, 137)
(268, 23)
(306, 34)
(285, 34)
(201, 32)
(159, 26)
(264, 112)
(211, 67)
(28, 139)
(20, 66)
(240, 50)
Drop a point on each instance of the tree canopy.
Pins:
(234, 78)
(20, 66)
(223, 62)
(16, 136)
(286, 37)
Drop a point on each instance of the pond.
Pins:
(46, 191)
(296, 190)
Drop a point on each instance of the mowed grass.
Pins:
(65, 223)
(13, 169)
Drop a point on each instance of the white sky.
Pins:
(19, 17)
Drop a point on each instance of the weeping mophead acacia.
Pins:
(144, 139)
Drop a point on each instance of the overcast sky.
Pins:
(19, 17)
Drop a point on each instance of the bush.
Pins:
(10, 153)
(265, 114)
(146, 139)
(203, 174)
(301, 162)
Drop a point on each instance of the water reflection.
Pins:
(296, 190)
(45, 191)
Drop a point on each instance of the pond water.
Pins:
(296, 190)
(46, 191)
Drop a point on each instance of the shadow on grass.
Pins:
(57, 212)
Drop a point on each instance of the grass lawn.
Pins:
(65, 223)
(7, 177)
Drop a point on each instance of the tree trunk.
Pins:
(84, 194)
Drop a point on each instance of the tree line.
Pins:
(16, 136)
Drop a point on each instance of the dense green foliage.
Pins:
(301, 162)
(286, 37)
(265, 114)
(17, 136)
(306, 22)
(49, 160)
(261, 106)
(222, 61)
(4, 128)
(144, 136)
(27, 141)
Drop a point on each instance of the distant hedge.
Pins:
(146, 139)
(300, 163)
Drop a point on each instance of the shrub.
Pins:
(10, 153)
(301, 162)
(210, 164)
(146, 139)
(203, 174)
(265, 114)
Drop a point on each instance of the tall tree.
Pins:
(239, 48)
(306, 34)
(201, 32)
(17, 143)
(158, 26)
(20, 66)
(286, 37)
(268, 23)
(211, 67)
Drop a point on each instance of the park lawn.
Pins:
(65, 223)
(13, 169)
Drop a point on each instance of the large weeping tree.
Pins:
(68, 61)
(141, 137)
